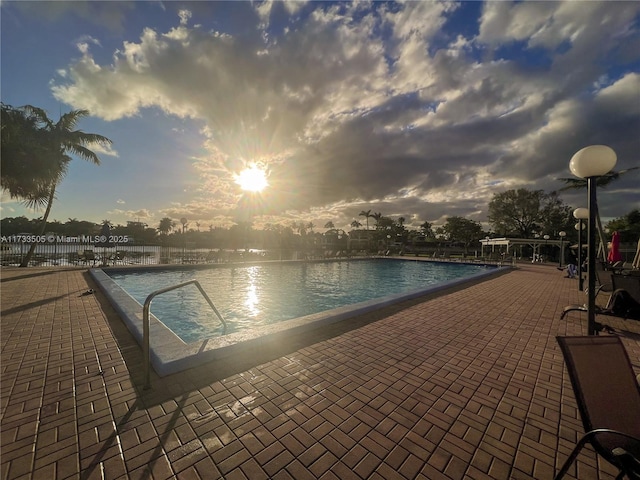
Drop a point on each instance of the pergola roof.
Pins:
(509, 242)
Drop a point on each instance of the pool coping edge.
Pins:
(169, 354)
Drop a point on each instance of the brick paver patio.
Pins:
(469, 384)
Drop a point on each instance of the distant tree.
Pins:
(384, 223)
(427, 230)
(55, 227)
(184, 223)
(300, 227)
(166, 225)
(138, 231)
(240, 234)
(463, 230)
(75, 227)
(355, 224)
(627, 226)
(329, 225)
(16, 225)
(555, 216)
(517, 212)
(377, 216)
(367, 215)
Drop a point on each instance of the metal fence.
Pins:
(56, 254)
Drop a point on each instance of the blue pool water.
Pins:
(254, 295)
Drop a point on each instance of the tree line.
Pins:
(514, 213)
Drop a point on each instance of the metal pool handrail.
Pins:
(145, 323)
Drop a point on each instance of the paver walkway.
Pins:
(470, 384)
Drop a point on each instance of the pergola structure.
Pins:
(512, 243)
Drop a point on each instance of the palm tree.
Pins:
(356, 224)
(603, 181)
(367, 215)
(166, 225)
(27, 169)
(55, 143)
(300, 227)
(377, 216)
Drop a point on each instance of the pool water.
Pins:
(255, 295)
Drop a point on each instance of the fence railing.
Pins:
(90, 255)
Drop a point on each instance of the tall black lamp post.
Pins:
(590, 163)
(581, 214)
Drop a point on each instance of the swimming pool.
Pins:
(255, 295)
(259, 300)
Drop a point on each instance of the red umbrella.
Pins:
(614, 251)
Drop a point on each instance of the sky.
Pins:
(422, 110)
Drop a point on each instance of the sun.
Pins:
(252, 179)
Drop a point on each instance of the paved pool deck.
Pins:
(469, 384)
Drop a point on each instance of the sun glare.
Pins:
(253, 179)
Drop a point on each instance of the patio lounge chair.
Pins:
(119, 257)
(608, 399)
(624, 301)
(630, 285)
(602, 285)
(88, 256)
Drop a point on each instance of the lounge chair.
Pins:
(602, 285)
(628, 287)
(624, 301)
(88, 256)
(608, 399)
(119, 257)
(603, 282)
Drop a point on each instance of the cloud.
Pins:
(622, 96)
(354, 104)
(142, 214)
(108, 150)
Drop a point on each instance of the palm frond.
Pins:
(84, 153)
(37, 198)
(70, 120)
(603, 181)
(38, 114)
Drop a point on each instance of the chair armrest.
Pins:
(598, 431)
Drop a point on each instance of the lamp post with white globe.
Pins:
(590, 163)
(581, 214)
(562, 235)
